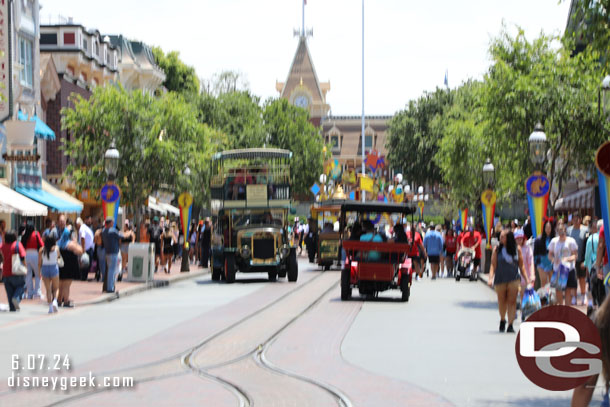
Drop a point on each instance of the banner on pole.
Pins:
(111, 200)
(537, 187)
(185, 203)
(488, 203)
(602, 162)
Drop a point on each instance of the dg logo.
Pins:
(558, 348)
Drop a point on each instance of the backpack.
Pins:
(156, 234)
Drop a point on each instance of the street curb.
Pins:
(143, 287)
(484, 280)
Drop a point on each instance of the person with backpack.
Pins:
(33, 242)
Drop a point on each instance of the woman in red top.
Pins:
(14, 285)
(33, 242)
(418, 252)
(450, 248)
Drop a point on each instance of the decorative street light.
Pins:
(537, 185)
(488, 205)
(489, 175)
(538, 143)
(111, 161)
(185, 201)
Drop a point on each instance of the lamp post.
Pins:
(603, 101)
(488, 205)
(111, 162)
(185, 201)
(110, 193)
(537, 185)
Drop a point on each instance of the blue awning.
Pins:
(50, 200)
(41, 130)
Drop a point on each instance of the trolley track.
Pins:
(188, 362)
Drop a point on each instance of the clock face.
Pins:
(301, 101)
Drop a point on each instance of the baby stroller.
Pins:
(465, 265)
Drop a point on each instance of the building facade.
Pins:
(303, 89)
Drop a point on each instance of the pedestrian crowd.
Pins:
(66, 251)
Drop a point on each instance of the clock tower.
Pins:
(302, 87)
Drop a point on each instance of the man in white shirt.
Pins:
(85, 239)
(563, 251)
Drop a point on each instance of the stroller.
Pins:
(465, 265)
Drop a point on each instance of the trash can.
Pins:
(141, 262)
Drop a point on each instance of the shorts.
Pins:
(414, 259)
(434, 259)
(515, 284)
(49, 271)
(477, 262)
(580, 273)
(124, 248)
(572, 282)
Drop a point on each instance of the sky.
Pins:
(408, 45)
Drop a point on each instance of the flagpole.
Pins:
(362, 193)
(303, 16)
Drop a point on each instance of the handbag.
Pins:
(19, 269)
(60, 261)
(530, 304)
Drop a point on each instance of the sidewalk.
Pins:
(90, 292)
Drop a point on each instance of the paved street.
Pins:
(198, 342)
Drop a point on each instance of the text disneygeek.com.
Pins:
(65, 383)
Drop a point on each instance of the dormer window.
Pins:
(85, 45)
(69, 38)
(95, 48)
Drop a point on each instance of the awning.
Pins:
(61, 194)
(41, 130)
(169, 208)
(13, 202)
(581, 199)
(46, 198)
(153, 205)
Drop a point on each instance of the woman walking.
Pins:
(541, 244)
(167, 251)
(48, 266)
(506, 262)
(70, 251)
(128, 237)
(13, 284)
(563, 252)
(528, 260)
(33, 242)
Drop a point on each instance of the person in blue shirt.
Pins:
(369, 235)
(111, 238)
(433, 243)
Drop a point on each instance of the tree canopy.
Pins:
(179, 77)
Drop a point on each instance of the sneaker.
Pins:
(54, 305)
(573, 302)
(15, 301)
(51, 310)
(510, 328)
(68, 304)
(502, 325)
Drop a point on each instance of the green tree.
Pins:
(413, 139)
(465, 144)
(156, 138)
(179, 77)
(288, 127)
(589, 25)
(236, 114)
(538, 81)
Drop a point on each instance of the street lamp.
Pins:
(184, 210)
(538, 143)
(111, 161)
(489, 174)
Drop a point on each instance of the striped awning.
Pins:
(581, 199)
